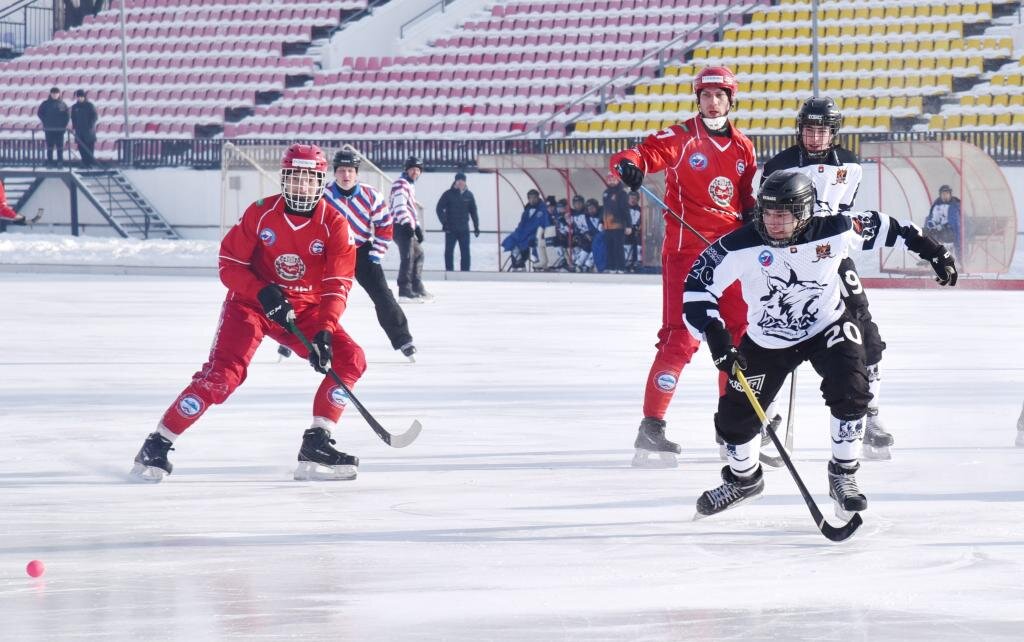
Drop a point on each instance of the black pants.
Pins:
(54, 143)
(450, 239)
(856, 300)
(614, 248)
(837, 355)
(371, 278)
(410, 266)
(86, 148)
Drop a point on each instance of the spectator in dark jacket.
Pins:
(54, 116)
(83, 121)
(616, 222)
(454, 209)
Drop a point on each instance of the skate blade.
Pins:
(1020, 439)
(309, 471)
(642, 459)
(877, 453)
(411, 358)
(697, 516)
(147, 474)
(842, 513)
(723, 454)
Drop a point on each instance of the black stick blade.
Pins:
(841, 533)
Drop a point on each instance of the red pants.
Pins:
(241, 329)
(675, 344)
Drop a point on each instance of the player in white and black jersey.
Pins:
(836, 173)
(787, 263)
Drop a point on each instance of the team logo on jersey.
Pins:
(721, 191)
(821, 169)
(790, 307)
(666, 381)
(841, 176)
(866, 225)
(698, 161)
(316, 247)
(338, 396)
(190, 406)
(740, 167)
(823, 252)
(765, 258)
(267, 236)
(290, 267)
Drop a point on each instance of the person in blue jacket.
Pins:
(524, 238)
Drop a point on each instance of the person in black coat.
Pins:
(83, 121)
(454, 209)
(54, 116)
(616, 221)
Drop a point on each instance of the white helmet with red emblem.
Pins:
(303, 176)
(716, 77)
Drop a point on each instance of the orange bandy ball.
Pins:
(35, 568)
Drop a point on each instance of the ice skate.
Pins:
(408, 296)
(151, 464)
(424, 296)
(651, 440)
(320, 461)
(842, 487)
(876, 440)
(733, 492)
(409, 350)
(1020, 429)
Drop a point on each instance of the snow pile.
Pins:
(47, 249)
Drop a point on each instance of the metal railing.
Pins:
(443, 4)
(24, 24)
(664, 56)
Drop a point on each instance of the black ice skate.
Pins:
(733, 492)
(876, 440)
(409, 350)
(650, 440)
(151, 464)
(842, 487)
(320, 461)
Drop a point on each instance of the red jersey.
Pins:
(6, 212)
(709, 180)
(312, 258)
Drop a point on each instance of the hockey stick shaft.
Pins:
(392, 439)
(654, 197)
(791, 412)
(829, 531)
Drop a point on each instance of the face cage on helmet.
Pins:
(802, 212)
(296, 201)
(833, 128)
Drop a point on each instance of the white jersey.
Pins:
(793, 292)
(836, 177)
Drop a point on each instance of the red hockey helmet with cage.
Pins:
(716, 77)
(303, 176)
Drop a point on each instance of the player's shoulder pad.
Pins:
(846, 156)
(831, 225)
(742, 238)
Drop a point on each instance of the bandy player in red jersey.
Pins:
(290, 258)
(709, 170)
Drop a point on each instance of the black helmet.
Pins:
(413, 161)
(346, 159)
(820, 112)
(786, 190)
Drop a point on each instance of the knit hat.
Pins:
(413, 161)
(460, 176)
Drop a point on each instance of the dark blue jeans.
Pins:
(450, 238)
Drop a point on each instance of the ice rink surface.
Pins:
(516, 515)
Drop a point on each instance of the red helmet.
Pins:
(303, 176)
(716, 77)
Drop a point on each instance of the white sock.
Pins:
(743, 458)
(323, 422)
(166, 433)
(847, 439)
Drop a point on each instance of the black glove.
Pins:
(320, 355)
(418, 232)
(945, 268)
(275, 305)
(476, 233)
(631, 175)
(723, 352)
